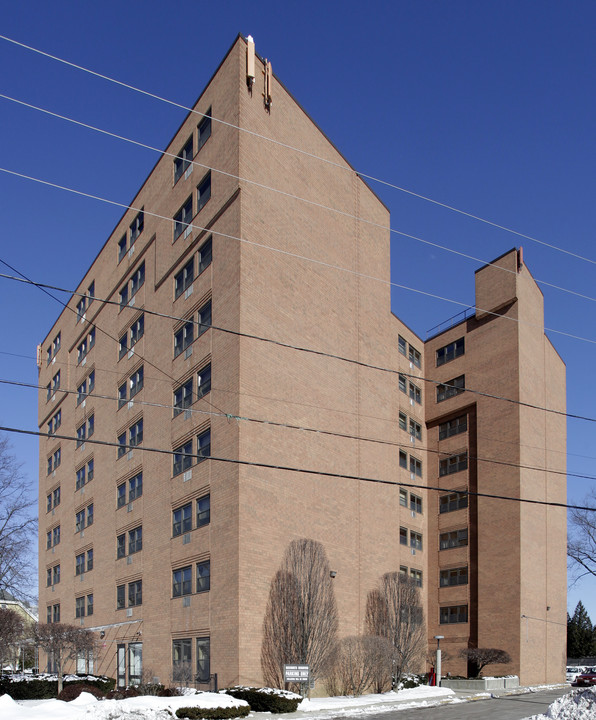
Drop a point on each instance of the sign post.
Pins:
(297, 674)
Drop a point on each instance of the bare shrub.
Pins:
(62, 642)
(362, 663)
(479, 658)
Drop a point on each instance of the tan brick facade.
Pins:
(266, 286)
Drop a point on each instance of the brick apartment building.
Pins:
(168, 556)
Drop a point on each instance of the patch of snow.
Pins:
(578, 705)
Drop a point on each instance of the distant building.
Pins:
(165, 356)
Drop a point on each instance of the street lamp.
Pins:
(438, 638)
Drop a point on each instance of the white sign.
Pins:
(296, 673)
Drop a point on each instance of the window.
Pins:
(135, 490)
(137, 280)
(453, 501)
(403, 383)
(136, 381)
(85, 346)
(403, 536)
(414, 356)
(135, 540)
(403, 498)
(403, 459)
(182, 219)
(135, 434)
(181, 660)
(403, 421)
(90, 604)
(86, 430)
(181, 582)
(53, 613)
(203, 576)
(55, 423)
(415, 393)
(205, 254)
(122, 248)
(203, 659)
(453, 427)
(137, 330)
(415, 430)
(123, 296)
(121, 546)
(136, 227)
(401, 344)
(454, 614)
(53, 575)
(415, 540)
(53, 348)
(120, 597)
(135, 593)
(84, 518)
(203, 445)
(54, 461)
(122, 395)
(203, 511)
(53, 499)
(84, 562)
(450, 352)
(415, 503)
(182, 520)
(453, 464)
(203, 192)
(121, 495)
(203, 381)
(415, 466)
(80, 607)
(451, 388)
(183, 280)
(183, 337)
(454, 576)
(84, 474)
(455, 538)
(403, 570)
(54, 385)
(81, 306)
(204, 318)
(183, 397)
(204, 130)
(86, 387)
(416, 576)
(183, 458)
(183, 161)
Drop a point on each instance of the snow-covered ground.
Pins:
(580, 705)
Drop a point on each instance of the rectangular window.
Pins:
(403, 421)
(403, 536)
(183, 161)
(84, 474)
(121, 495)
(137, 330)
(403, 498)
(453, 464)
(54, 461)
(80, 564)
(86, 430)
(203, 192)
(450, 352)
(56, 613)
(120, 597)
(54, 385)
(122, 248)
(181, 660)
(135, 593)
(135, 540)
(415, 466)
(204, 381)
(53, 348)
(183, 218)
(135, 487)
(403, 459)
(205, 254)
(183, 397)
(452, 502)
(55, 423)
(136, 381)
(453, 427)
(181, 582)
(81, 306)
(415, 393)
(203, 659)
(454, 576)
(80, 607)
(184, 279)
(135, 434)
(415, 430)
(122, 449)
(204, 318)
(454, 614)
(203, 445)
(455, 538)
(137, 280)
(121, 546)
(122, 395)
(136, 227)
(204, 130)
(182, 458)
(401, 345)
(403, 383)
(203, 511)
(416, 576)
(415, 503)
(415, 540)
(123, 296)
(122, 346)
(182, 520)
(451, 388)
(89, 560)
(183, 337)
(414, 356)
(203, 576)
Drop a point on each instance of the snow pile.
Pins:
(578, 705)
(421, 696)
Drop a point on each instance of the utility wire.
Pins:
(312, 351)
(289, 426)
(305, 471)
(290, 254)
(299, 150)
(292, 196)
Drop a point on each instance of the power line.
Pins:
(293, 196)
(302, 428)
(312, 351)
(299, 150)
(306, 471)
(290, 254)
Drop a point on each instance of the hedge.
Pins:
(217, 713)
(44, 689)
(265, 700)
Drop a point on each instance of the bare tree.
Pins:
(479, 658)
(17, 525)
(581, 543)
(362, 662)
(394, 611)
(62, 643)
(300, 623)
(12, 630)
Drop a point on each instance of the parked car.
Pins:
(586, 678)
(573, 671)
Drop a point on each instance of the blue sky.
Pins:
(486, 107)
